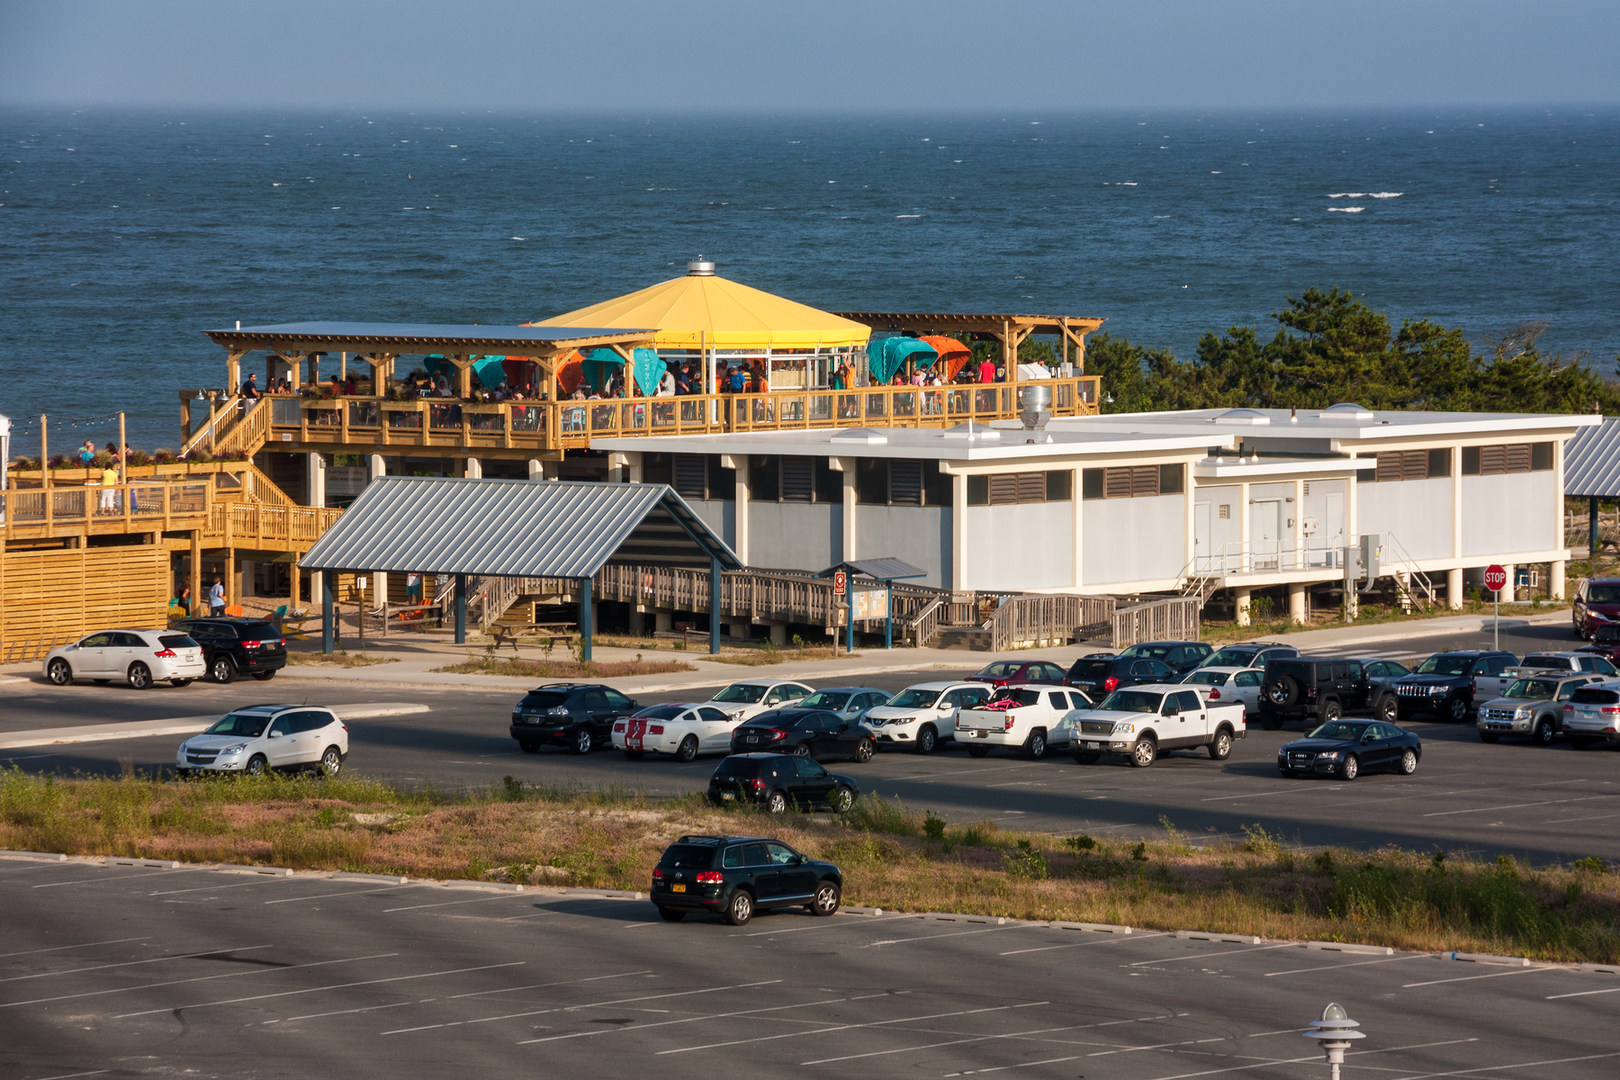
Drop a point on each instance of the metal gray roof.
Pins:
(1592, 461)
(514, 528)
(429, 336)
(883, 569)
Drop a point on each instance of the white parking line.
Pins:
(1267, 1062)
(453, 903)
(1155, 1046)
(1021, 1065)
(1223, 952)
(102, 879)
(1330, 966)
(1492, 975)
(133, 963)
(261, 880)
(546, 985)
(1518, 806)
(1585, 993)
(957, 933)
(70, 1076)
(340, 892)
(198, 978)
(1108, 940)
(86, 945)
(851, 1027)
(993, 1038)
(853, 922)
(318, 989)
(1515, 1065)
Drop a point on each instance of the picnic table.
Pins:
(553, 632)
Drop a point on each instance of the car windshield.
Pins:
(915, 698)
(1339, 729)
(1208, 678)
(1233, 656)
(1017, 696)
(825, 699)
(1603, 594)
(998, 670)
(1532, 689)
(741, 693)
(1446, 665)
(243, 724)
(1608, 634)
(1131, 701)
(1090, 669)
(661, 712)
(543, 699)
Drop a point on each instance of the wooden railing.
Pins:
(215, 433)
(552, 425)
(1173, 618)
(1041, 620)
(114, 508)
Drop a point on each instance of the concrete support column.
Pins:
(779, 634)
(1078, 529)
(376, 466)
(587, 620)
(1510, 592)
(1555, 579)
(619, 471)
(739, 464)
(1403, 589)
(315, 477)
(959, 552)
(1240, 599)
(1296, 603)
(638, 623)
(474, 469)
(663, 622)
(847, 467)
(714, 606)
(1245, 557)
(1454, 589)
(245, 580)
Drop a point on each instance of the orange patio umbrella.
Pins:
(952, 355)
(568, 372)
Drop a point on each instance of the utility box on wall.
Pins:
(1361, 561)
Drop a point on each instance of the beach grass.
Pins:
(338, 658)
(562, 669)
(893, 856)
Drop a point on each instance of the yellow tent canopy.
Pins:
(701, 310)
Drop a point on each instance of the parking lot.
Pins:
(130, 970)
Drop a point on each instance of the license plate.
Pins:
(1093, 746)
(752, 738)
(977, 734)
(726, 796)
(677, 888)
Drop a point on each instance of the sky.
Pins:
(825, 56)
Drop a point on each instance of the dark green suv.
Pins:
(734, 876)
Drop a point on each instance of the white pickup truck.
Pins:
(1029, 717)
(1143, 721)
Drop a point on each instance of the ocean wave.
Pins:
(1385, 194)
(1345, 209)
(1366, 194)
(907, 215)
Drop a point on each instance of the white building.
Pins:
(1123, 504)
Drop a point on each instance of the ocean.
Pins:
(124, 236)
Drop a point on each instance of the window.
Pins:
(701, 476)
(764, 478)
(617, 700)
(1506, 458)
(658, 469)
(903, 483)
(1412, 464)
(1133, 481)
(1006, 489)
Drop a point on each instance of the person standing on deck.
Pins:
(987, 370)
(216, 598)
(250, 388)
(109, 492)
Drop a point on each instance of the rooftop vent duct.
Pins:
(1035, 405)
(700, 267)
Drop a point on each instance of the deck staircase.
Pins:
(1414, 589)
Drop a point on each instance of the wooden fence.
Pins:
(51, 597)
(1026, 622)
(1170, 619)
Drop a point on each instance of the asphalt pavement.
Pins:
(122, 969)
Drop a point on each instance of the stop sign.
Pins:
(1495, 578)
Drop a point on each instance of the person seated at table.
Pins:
(579, 393)
(350, 387)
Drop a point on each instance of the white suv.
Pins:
(140, 657)
(920, 716)
(258, 738)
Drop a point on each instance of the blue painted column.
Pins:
(586, 630)
(849, 619)
(888, 622)
(328, 614)
(461, 609)
(714, 605)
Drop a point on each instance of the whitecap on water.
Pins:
(1127, 183)
(1345, 209)
(1385, 194)
(517, 238)
(907, 215)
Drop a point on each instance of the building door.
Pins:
(1201, 562)
(1265, 533)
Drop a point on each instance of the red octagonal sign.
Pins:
(1495, 578)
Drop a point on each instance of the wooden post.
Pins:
(360, 608)
(123, 458)
(714, 604)
(1591, 526)
(45, 463)
(196, 569)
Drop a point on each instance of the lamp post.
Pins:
(1334, 1032)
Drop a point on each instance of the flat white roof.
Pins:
(928, 443)
(1341, 422)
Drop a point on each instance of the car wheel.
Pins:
(529, 746)
(1488, 736)
(1331, 711)
(140, 676)
(1545, 733)
(827, 898)
(332, 761)
(927, 739)
(583, 741)
(180, 682)
(59, 672)
(775, 803)
(264, 676)
(687, 751)
(256, 765)
(1409, 762)
(1579, 742)
(841, 799)
(222, 669)
(1221, 748)
(1388, 709)
(1144, 753)
(670, 914)
(1035, 745)
(864, 751)
(635, 755)
(802, 750)
(740, 909)
(1086, 757)
(1350, 769)
(1458, 709)
(978, 751)
(1282, 691)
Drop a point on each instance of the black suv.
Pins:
(1314, 689)
(1101, 675)
(1182, 656)
(777, 781)
(579, 716)
(234, 645)
(735, 875)
(1444, 683)
(813, 733)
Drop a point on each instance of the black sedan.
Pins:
(815, 733)
(1345, 748)
(775, 782)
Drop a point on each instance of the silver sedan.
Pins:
(1229, 684)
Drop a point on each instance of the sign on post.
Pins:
(1496, 581)
(1495, 578)
(840, 583)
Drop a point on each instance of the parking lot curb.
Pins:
(1351, 947)
(860, 909)
(388, 879)
(147, 864)
(607, 894)
(1602, 969)
(1230, 939)
(265, 871)
(1488, 958)
(947, 916)
(35, 856)
(1094, 927)
(483, 886)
